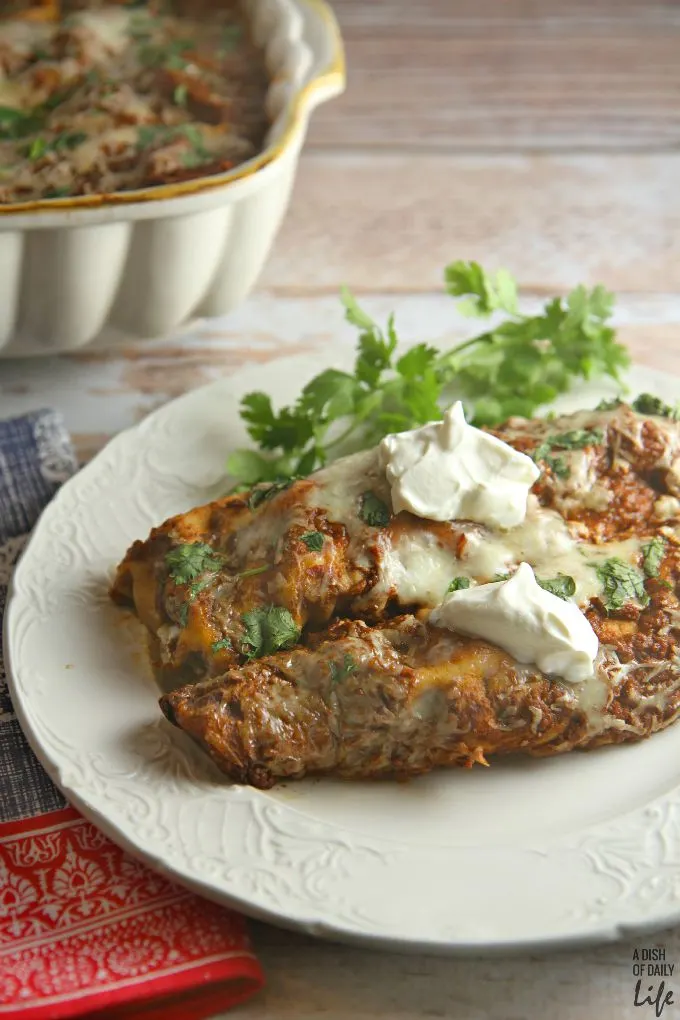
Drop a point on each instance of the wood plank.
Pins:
(463, 75)
(101, 393)
(313, 980)
(393, 222)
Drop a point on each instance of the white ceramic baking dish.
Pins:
(101, 269)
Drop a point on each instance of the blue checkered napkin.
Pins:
(36, 456)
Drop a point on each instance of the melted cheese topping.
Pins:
(418, 567)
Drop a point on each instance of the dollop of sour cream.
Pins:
(450, 470)
(532, 624)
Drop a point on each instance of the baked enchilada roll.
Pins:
(401, 699)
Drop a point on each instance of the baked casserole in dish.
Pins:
(147, 154)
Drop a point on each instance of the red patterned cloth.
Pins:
(85, 930)
(84, 927)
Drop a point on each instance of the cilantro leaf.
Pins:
(313, 540)
(563, 586)
(621, 582)
(258, 413)
(267, 630)
(482, 292)
(247, 465)
(185, 562)
(458, 584)
(354, 314)
(416, 362)
(373, 511)
(339, 671)
(510, 369)
(652, 555)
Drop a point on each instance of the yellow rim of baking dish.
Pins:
(333, 77)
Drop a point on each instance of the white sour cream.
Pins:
(450, 470)
(531, 624)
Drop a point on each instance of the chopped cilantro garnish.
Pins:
(20, 123)
(563, 586)
(267, 630)
(652, 555)
(576, 439)
(458, 584)
(185, 562)
(37, 148)
(647, 403)
(339, 671)
(222, 645)
(621, 582)
(262, 494)
(198, 586)
(609, 405)
(194, 158)
(167, 55)
(151, 134)
(68, 140)
(313, 540)
(180, 95)
(373, 511)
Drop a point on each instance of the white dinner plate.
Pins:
(527, 853)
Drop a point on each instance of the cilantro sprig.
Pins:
(511, 368)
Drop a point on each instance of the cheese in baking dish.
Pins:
(123, 97)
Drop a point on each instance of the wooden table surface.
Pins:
(539, 136)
